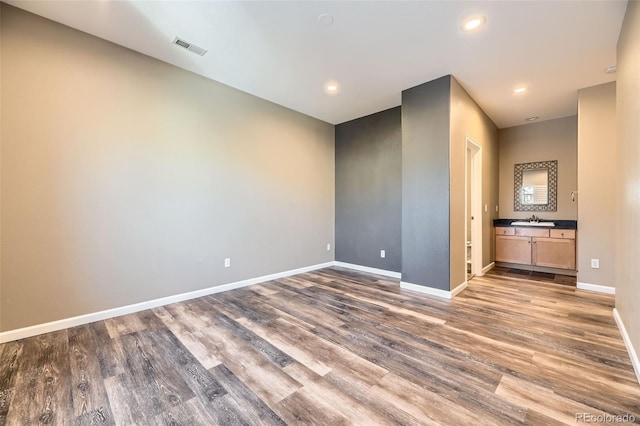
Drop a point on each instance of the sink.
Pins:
(527, 223)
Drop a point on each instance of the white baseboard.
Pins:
(488, 268)
(458, 289)
(34, 330)
(384, 272)
(409, 286)
(627, 342)
(596, 287)
(433, 291)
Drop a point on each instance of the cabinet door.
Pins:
(513, 249)
(554, 253)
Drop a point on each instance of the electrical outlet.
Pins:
(328, 247)
(383, 253)
(486, 208)
(595, 263)
(496, 208)
(227, 262)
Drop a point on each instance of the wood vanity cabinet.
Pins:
(553, 248)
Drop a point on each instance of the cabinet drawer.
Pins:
(563, 233)
(505, 231)
(532, 232)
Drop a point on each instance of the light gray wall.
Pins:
(468, 119)
(126, 179)
(368, 190)
(597, 169)
(425, 184)
(546, 141)
(628, 188)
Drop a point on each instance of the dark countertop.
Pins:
(560, 224)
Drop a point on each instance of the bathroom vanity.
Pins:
(537, 244)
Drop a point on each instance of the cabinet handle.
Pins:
(562, 234)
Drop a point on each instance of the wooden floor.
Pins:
(332, 347)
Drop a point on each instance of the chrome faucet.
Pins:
(534, 218)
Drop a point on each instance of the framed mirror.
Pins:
(535, 187)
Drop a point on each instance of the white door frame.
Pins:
(476, 205)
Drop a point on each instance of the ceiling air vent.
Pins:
(191, 47)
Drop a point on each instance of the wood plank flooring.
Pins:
(332, 347)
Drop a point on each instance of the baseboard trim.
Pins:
(34, 330)
(458, 289)
(596, 287)
(488, 268)
(627, 342)
(368, 269)
(433, 291)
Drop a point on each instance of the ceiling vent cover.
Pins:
(191, 47)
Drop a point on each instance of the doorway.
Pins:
(473, 208)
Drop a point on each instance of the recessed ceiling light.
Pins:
(331, 87)
(611, 69)
(520, 89)
(473, 23)
(531, 118)
(325, 19)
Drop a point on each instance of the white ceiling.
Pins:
(278, 50)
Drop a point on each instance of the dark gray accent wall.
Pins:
(425, 184)
(368, 190)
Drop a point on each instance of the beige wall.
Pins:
(597, 165)
(628, 188)
(468, 119)
(0, 167)
(126, 179)
(549, 140)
